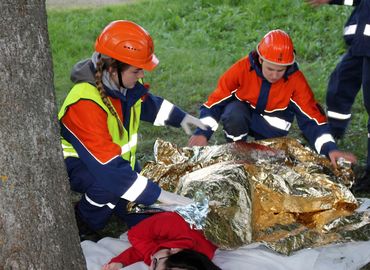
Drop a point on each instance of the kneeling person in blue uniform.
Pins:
(261, 94)
(99, 124)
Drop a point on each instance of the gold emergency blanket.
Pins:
(275, 191)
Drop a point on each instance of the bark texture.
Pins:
(37, 226)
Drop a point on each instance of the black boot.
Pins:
(84, 231)
(362, 185)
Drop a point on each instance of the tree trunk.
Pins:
(37, 225)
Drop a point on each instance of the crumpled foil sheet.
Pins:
(276, 191)
(194, 214)
(172, 162)
(229, 221)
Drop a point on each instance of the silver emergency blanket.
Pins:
(194, 214)
(275, 191)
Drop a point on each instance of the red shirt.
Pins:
(160, 231)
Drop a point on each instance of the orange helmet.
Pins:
(129, 43)
(276, 47)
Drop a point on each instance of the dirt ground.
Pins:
(83, 3)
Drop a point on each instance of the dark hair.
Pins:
(190, 260)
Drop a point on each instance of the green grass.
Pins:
(196, 41)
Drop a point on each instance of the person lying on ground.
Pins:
(166, 240)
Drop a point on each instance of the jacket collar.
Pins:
(130, 95)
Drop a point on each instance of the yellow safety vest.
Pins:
(128, 142)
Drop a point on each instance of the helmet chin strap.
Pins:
(119, 74)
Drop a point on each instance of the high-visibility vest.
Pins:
(128, 140)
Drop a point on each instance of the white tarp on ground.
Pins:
(255, 256)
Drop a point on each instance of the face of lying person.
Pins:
(159, 258)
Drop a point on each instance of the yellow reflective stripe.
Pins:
(68, 151)
(163, 113)
(127, 147)
(69, 154)
(90, 201)
(320, 141)
(136, 189)
(64, 146)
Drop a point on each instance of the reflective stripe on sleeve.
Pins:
(210, 121)
(320, 141)
(350, 29)
(136, 189)
(339, 116)
(277, 122)
(132, 143)
(348, 2)
(163, 113)
(367, 30)
(110, 205)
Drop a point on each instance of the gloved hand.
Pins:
(191, 120)
(173, 198)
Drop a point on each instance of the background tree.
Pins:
(37, 227)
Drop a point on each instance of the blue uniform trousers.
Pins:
(236, 120)
(97, 204)
(345, 82)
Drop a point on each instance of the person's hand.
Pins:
(316, 3)
(191, 120)
(197, 140)
(112, 266)
(336, 155)
(173, 198)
